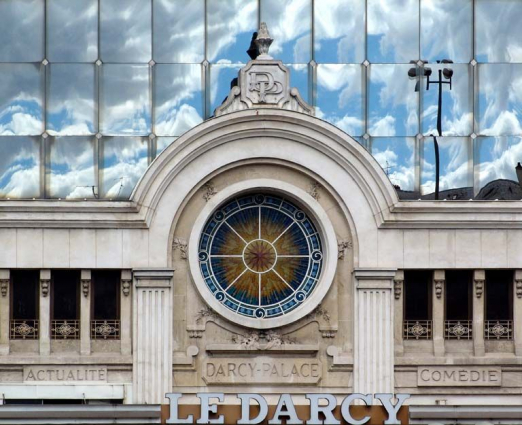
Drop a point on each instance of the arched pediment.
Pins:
(271, 134)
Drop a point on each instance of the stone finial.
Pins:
(263, 41)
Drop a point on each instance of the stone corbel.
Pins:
(438, 279)
(398, 283)
(86, 282)
(126, 282)
(479, 279)
(518, 283)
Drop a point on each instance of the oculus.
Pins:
(260, 255)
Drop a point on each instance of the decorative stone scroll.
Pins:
(264, 83)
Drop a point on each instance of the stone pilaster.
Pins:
(398, 290)
(438, 301)
(517, 312)
(4, 310)
(152, 335)
(479, 282)
(374, 330)
(85, 312)
(126, 312)
(45, 312)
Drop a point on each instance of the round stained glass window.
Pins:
(260, 255)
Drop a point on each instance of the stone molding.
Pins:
(387, 210)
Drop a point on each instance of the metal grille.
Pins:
(24, 329)
(417, 329)
(105, 329)
(458, 329)
(65, 329)
(498, 329)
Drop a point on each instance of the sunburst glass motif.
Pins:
(260, 255)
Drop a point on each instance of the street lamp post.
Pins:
(448, 75)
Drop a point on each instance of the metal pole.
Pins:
(435, 143)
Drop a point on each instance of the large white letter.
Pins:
(207, 408)
(345, 408)
(285, 401)
(173, 401)
(315, 408)
(245, 409)
(386, 400)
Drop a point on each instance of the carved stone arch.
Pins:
(359, 183)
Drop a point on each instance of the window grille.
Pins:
(498, 329)
(458, 329)
(23, 329)
(417, 329)
(105, 329)
(65, 329)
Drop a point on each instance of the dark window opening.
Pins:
(24, 304)
(106, 294)
(24, 294)
(65, 304)
(417, 294)
(65, 285)
(459, 295)
(417, 304)
(105, 323)
(499, 295)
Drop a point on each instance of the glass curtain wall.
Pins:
(91, 91)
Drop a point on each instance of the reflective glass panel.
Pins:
(221, 78)
(340, 97)
(499, 99)
(396, 156)
(455, 168)
(339, 31)
(457, 102)
(70, 99)
(21, 99)
(393, 101)
(125, 31)
(495, 162)
(125, 100)
(19, 167)
(393, 31)
(498, 32)
(21, 31)
(299, 78)
(124, 160)
(72, 30)
(446, 30)
(163, 143)
(178, 98)
(179, 31)
(230, 25)
(72, 172)
(290, 24)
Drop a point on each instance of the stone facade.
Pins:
(348, 340)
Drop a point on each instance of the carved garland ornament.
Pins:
(182, 245)
(518, 286)
(4, 285)
(44, 285)
(397, 288)
(438, 287)
(479, 287)
(342, 246)
(125, 287)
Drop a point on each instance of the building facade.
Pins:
(264, 251)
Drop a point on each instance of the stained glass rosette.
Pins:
(260, 256)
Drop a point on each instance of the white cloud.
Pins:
(383, 127)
